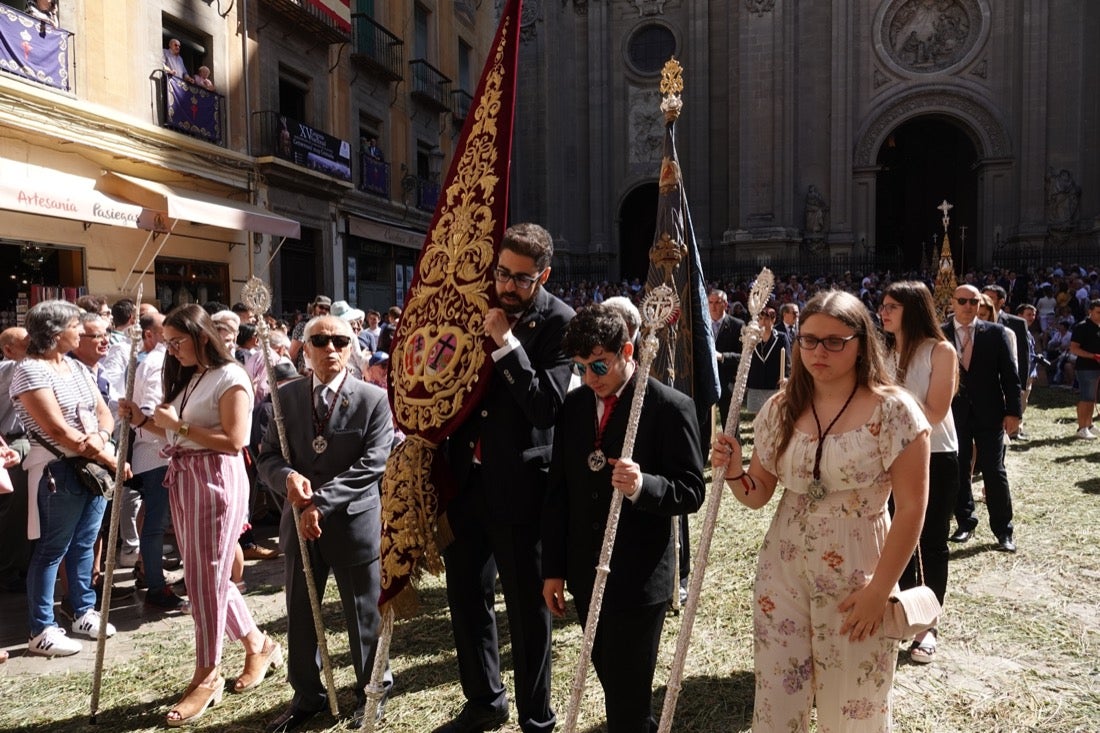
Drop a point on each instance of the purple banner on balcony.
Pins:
(314, 149)
(193, 110)
(34, 49)
(375, 174)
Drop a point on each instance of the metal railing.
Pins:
(377, 48)
(374, 175)
(290, 139)
(188, 108)
(462, 101)
(430, 86)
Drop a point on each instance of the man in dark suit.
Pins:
(1018, 327)
(986, 405)
(339, 431)
(727, 347)
(500, 456)
(788, 326)
(663, 478)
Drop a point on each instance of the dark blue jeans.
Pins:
(154, 495)
(70, 518)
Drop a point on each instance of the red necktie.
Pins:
(608, 406)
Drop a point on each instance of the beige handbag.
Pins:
(909, 612)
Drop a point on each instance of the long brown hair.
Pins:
(918, 320)
(796, 397)
(196, 323)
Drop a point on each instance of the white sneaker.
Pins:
(88, 624)
(1085, 434)
(127, 559)
(53, 643)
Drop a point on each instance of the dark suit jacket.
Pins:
(1018, 326)
(990, 389)
(727, 342)
(345, 478)
(667, 450)
(515, 419)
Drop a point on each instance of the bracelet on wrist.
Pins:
(748, 483)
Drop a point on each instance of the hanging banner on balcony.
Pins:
(193, 110)
(301, 144)
(336, 13)
(33, 49)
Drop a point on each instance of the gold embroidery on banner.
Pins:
(438, 364)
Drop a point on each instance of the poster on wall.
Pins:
(353, 282)
(400, 275)
(313, 149)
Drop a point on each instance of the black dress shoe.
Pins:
(961, 535)
(290, 720)
(472, 720)
(1005, 543)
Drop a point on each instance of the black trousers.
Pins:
(482, 549)
(988, 444)
(943, 489)
(624, 655)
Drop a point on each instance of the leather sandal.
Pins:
(256, 666)
(194, 703)
(923, 651)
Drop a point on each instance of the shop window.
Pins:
(180, 282)
(34, 272)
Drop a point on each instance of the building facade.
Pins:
(815, 133)
(311, 157)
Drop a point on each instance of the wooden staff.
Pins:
(659, 308)
(116, 514)
(750, 336)
(256, 296)
(375, 689)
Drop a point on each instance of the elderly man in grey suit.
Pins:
(339, 431)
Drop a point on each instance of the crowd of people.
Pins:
(864, 398)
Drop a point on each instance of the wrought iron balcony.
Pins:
(374, 174)
(376, 49)
(188, 108)
(462, 103)
(34, 50)
(287, 138)
(429, 86)
(312, 18)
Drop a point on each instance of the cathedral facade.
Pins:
(814, 131)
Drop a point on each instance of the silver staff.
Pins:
(750, 337)
(257, 297)
(116, 513)
(659, 308)
(375, 688)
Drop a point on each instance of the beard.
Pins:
(513, 303)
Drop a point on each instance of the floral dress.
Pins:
(814, 555)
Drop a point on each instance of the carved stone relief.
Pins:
(760, 7)
(580, 7)
(930, 36)
(649, 7)
(646, 123)
(1063, 199)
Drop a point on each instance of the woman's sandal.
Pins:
(922, 652)
(256, 666)
(194, 703)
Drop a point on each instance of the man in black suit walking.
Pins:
(1018, 326)
(500, 456)
(986, 405)
(727, 347)
(663, 478)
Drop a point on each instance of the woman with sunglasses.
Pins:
(840, 438)
(924, 362)
(206, 418)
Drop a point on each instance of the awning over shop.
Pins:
(71, 197)
(198, 207)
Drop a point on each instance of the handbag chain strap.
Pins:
(920, 566)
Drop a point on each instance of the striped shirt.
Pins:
(74, 392)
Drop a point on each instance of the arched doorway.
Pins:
(637, 222)
(922, 162)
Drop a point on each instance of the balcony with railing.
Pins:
(376, 49)
(374, 174)
(35, 50)
(462, 100)
(284, 137)
(313, 18)
(429, 86)
(188, 108)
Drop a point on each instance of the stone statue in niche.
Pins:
(1063, 198)
(817, 214)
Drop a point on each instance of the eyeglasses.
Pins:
(889, 307)
(831, 343)
(599, 368)
(521, 280)
(96, 336)
(321, 340)
(968, 301)
(174, 344)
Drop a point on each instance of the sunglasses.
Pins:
(968, 301)
(599, 368)
(321, 340)
(831, 343)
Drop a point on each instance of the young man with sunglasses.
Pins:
(339, 430)
(986, 405)
(662, 479)
(499, 458)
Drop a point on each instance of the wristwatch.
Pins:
(184, 429)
